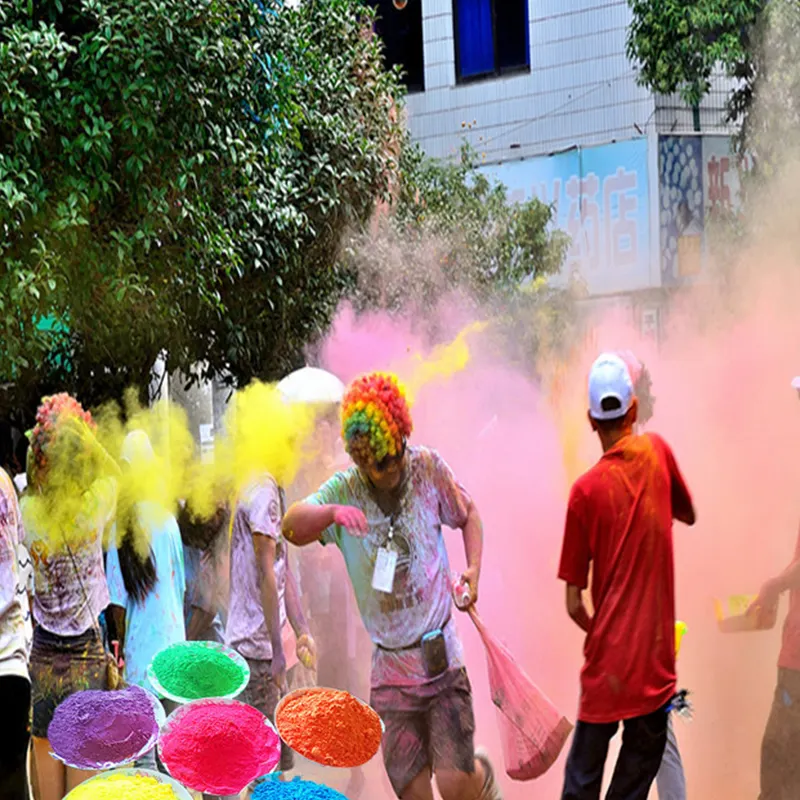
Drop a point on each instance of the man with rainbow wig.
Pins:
(385, 514)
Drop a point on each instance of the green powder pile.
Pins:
(193, 671)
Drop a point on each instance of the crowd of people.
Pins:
(115, 582)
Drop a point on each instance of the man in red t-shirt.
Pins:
(619, 523)
(780, 767)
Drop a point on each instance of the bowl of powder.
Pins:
(188, 671)
(296, 789)
(130, 784)
(218, 746)
(329, 726)
(94, 730)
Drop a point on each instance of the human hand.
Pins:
(767, 598)
(351, 519)
(307, 651)
(470, 577)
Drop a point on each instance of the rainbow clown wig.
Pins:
(375, 418)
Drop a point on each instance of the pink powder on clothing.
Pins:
(219, 747)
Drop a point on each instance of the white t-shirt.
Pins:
(13, 652)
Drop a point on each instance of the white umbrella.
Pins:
(311, 385)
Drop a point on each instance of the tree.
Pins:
(677, 45)
(178, 176)
(452, 228)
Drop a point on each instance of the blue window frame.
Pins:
(492, 38)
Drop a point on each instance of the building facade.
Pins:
(543, 92)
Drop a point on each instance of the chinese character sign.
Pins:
(600, 198)
(698, 177)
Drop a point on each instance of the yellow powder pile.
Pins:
(123, 787)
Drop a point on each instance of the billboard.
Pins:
(698, 176)
(600, 197)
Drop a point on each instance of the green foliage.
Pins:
(677, 44)
(178, 176)
(452, 228)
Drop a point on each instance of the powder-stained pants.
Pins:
(671, 781)
(428, 726)
(780, 748)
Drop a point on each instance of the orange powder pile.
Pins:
(329, 727)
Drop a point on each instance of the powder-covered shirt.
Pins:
(258, 513)
(70, 589)
(789, 657)
(24, 591)
(619, 522)
(201, 583)
(158, 621)
(421, 599)
(13, 647)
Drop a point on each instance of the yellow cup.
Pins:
(680, 630)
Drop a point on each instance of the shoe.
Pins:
(490, 791)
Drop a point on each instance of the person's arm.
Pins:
(117, 619)
(305, 522)
(772, 590)
(473, 550)
(682, 505)
(576, 609)
(294, 608)
(266, 550)
(576, 558)
(200, 621)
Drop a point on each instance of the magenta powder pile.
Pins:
(218, 747)
(97, 730)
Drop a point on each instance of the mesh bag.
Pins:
(532, 731)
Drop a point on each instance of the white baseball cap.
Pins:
(137, 447)
(796, 383)
(610, 379)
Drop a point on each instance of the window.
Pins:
(491, 38)
(399, 24)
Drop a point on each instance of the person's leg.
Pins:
(77, 776)
(405, 743)
(583, 775)
(643, 743)
(420, 787)
(780, 770)
(50, 772)
(461, 774)
(670, 780)
(15, 700)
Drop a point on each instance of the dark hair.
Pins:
(201, 533)
(138, 575)
(611, 425)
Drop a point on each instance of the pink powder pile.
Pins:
(219, 747)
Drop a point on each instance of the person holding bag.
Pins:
(67, 513)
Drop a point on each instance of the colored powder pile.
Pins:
(296, 789)
(129, 787)
(95, 729)
(330, 727)
(193, 671)
(219, 747)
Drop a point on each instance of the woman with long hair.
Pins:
(144, 567)
(68, 509)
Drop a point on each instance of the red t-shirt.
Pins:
(619, 521)
(790, 651)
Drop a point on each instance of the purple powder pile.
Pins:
(95, 729)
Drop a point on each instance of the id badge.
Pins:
(385, 567)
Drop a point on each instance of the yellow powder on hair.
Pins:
(129, 787)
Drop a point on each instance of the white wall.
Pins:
(581, 88)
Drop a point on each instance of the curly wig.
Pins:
(376, 421)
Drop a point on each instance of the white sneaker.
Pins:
(490, 791)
